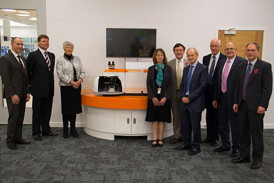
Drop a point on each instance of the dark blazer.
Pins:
(230, 80)
(206, 60)
(197, 87)
(259, 87)
(167, 85)
(13, 76)
(40, 78)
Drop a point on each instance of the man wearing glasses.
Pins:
(223, 100)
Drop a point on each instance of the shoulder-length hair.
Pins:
(155, 53)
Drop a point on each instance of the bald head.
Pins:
(230, 50)
(17, 45)
(215, 46)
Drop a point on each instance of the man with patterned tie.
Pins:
(177, 66)
(40, 72)
(252, 94)
(192, 97)
(16, 91)
(222, 99)
(212, 61)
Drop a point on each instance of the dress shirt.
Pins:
(211, 60)
(231, 63)
(16, 56)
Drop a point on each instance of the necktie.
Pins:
(179, 74)
(225, 75)
(21, 64)
(247, 74)
(189, 75)
(47, 60)
(209, 78)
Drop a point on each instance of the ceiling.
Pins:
(13, 16)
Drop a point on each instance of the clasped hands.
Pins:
(76, 84)
(185, 100)
(156, 102)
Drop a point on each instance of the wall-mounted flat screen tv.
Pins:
(123, 42)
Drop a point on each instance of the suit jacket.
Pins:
(206, 60)
(13, 76)
(230, 80)
(259, 86)
(40, 78)
(172, 64)
(167, 85)
(197, 86)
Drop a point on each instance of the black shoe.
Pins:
(37, 137)
(154, 143)
(221, 149)
(21, 141)
(194, 151)
(12, 145)
(74, 134)
(182, 148)
(174, 140)
(213, 143)
(235, 153)
(256, 165)
(240, 160)
(65, 135)
(50, 133)
(160, 144)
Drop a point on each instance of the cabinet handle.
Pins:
(134, 120)
(127, 120)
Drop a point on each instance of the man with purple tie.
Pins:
(222, 99)
(252, 94)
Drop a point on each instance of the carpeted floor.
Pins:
(127, 159)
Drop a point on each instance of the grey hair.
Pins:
(195, 50)
(68, 43)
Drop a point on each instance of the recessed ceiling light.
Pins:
(23, 15)
(33, 18)
(12, 10)
(23, 12)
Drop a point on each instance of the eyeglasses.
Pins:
(229, 49)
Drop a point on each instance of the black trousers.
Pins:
(212, 127)
(228, 119)
(41, 113)
(191, 124)
(16, 118)
(251, 131)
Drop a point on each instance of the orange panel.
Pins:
(113, 102)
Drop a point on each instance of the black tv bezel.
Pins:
(131, 29)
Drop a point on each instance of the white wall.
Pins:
(193, 23)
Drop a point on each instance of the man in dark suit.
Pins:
(40, 72)
(252, 94)
(222, 99)
(177, 66)
(192, 96)
(211, 61)
(13, 72)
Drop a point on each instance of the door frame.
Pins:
(247, 29)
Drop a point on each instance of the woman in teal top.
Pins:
(159, 88)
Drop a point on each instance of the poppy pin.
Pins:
(256, 71)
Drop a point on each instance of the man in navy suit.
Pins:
(40, 72)
(252, 94)
(13, 72)
(192, 95)
(211, 61)
(222, 99)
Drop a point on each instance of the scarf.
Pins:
(160, 75)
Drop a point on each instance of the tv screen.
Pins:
(130, 42)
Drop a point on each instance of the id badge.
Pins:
(159, 91)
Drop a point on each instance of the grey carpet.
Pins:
(127, 159)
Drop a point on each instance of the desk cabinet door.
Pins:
(122, 122)
(139, 125)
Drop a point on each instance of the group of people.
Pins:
(234, 91)
(35, 77)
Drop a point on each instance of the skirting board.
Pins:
(81, 124)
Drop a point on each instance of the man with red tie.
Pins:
(41, 78)
(13, 72)
(252, 94)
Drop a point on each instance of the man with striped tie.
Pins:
(40, 72)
